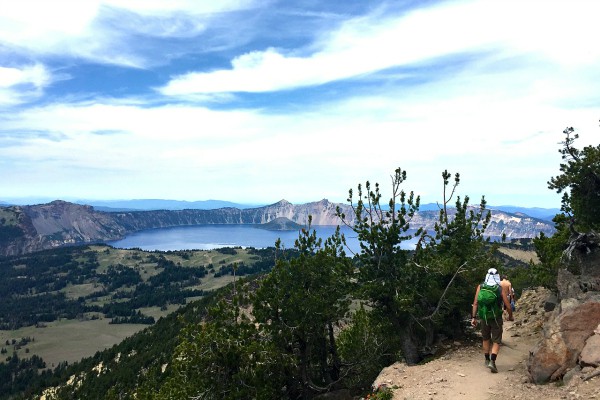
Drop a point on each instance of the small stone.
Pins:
(459, 374)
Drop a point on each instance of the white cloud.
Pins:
(376, 42)
(190, 152)
(18, 85)
(103, 31)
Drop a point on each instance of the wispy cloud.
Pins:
(382, 40)
(19, 85)
(111, 32)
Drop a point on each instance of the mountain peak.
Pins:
(283, 202)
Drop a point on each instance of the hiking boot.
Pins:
(492, 366)
(486, 363)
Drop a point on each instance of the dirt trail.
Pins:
(461, 374)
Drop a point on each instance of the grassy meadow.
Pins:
(73, 339)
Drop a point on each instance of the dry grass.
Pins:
(82, 290)
(70, 340)
(520, 255)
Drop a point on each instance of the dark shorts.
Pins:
(492, 330)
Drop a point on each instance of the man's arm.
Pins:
(474, 308)
(507, 304)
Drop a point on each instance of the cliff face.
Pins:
(513, 225)
(60, 223)
(56, 224)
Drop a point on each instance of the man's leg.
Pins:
(495, 348)
(496, 332)
(486, 351)
(486, 334)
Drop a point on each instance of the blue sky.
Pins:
(257, 101)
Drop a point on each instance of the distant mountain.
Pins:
(160, 204)
(25, 229)
(535, 212)
(165, 204)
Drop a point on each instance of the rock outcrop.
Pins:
(57, 224)
(571, 336)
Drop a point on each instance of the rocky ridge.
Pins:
(571, 337)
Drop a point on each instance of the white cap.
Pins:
(492, 277)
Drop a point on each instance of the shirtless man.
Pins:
(507, 288)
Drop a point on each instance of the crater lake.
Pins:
(207, 237)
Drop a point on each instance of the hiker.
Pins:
(510, 292)
(487, 306)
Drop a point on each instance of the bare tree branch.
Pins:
(437, 309)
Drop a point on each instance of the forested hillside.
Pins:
(103, 282)
(106, 287)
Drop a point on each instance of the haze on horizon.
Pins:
(255, 101)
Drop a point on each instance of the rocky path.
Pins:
(461, 374)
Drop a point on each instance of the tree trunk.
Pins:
(409, 347)
(335, 367)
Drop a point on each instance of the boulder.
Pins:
(570, 336)
(564, 338)
(590, 354)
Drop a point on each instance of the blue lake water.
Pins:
(207, 237)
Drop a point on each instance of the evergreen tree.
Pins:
(456, 256)
(416, 293)
(549, 250)
(579, 182)
(226, 357)
(386, 277)
(277, 343)
(299, 304)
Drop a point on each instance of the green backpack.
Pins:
(488, 302)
